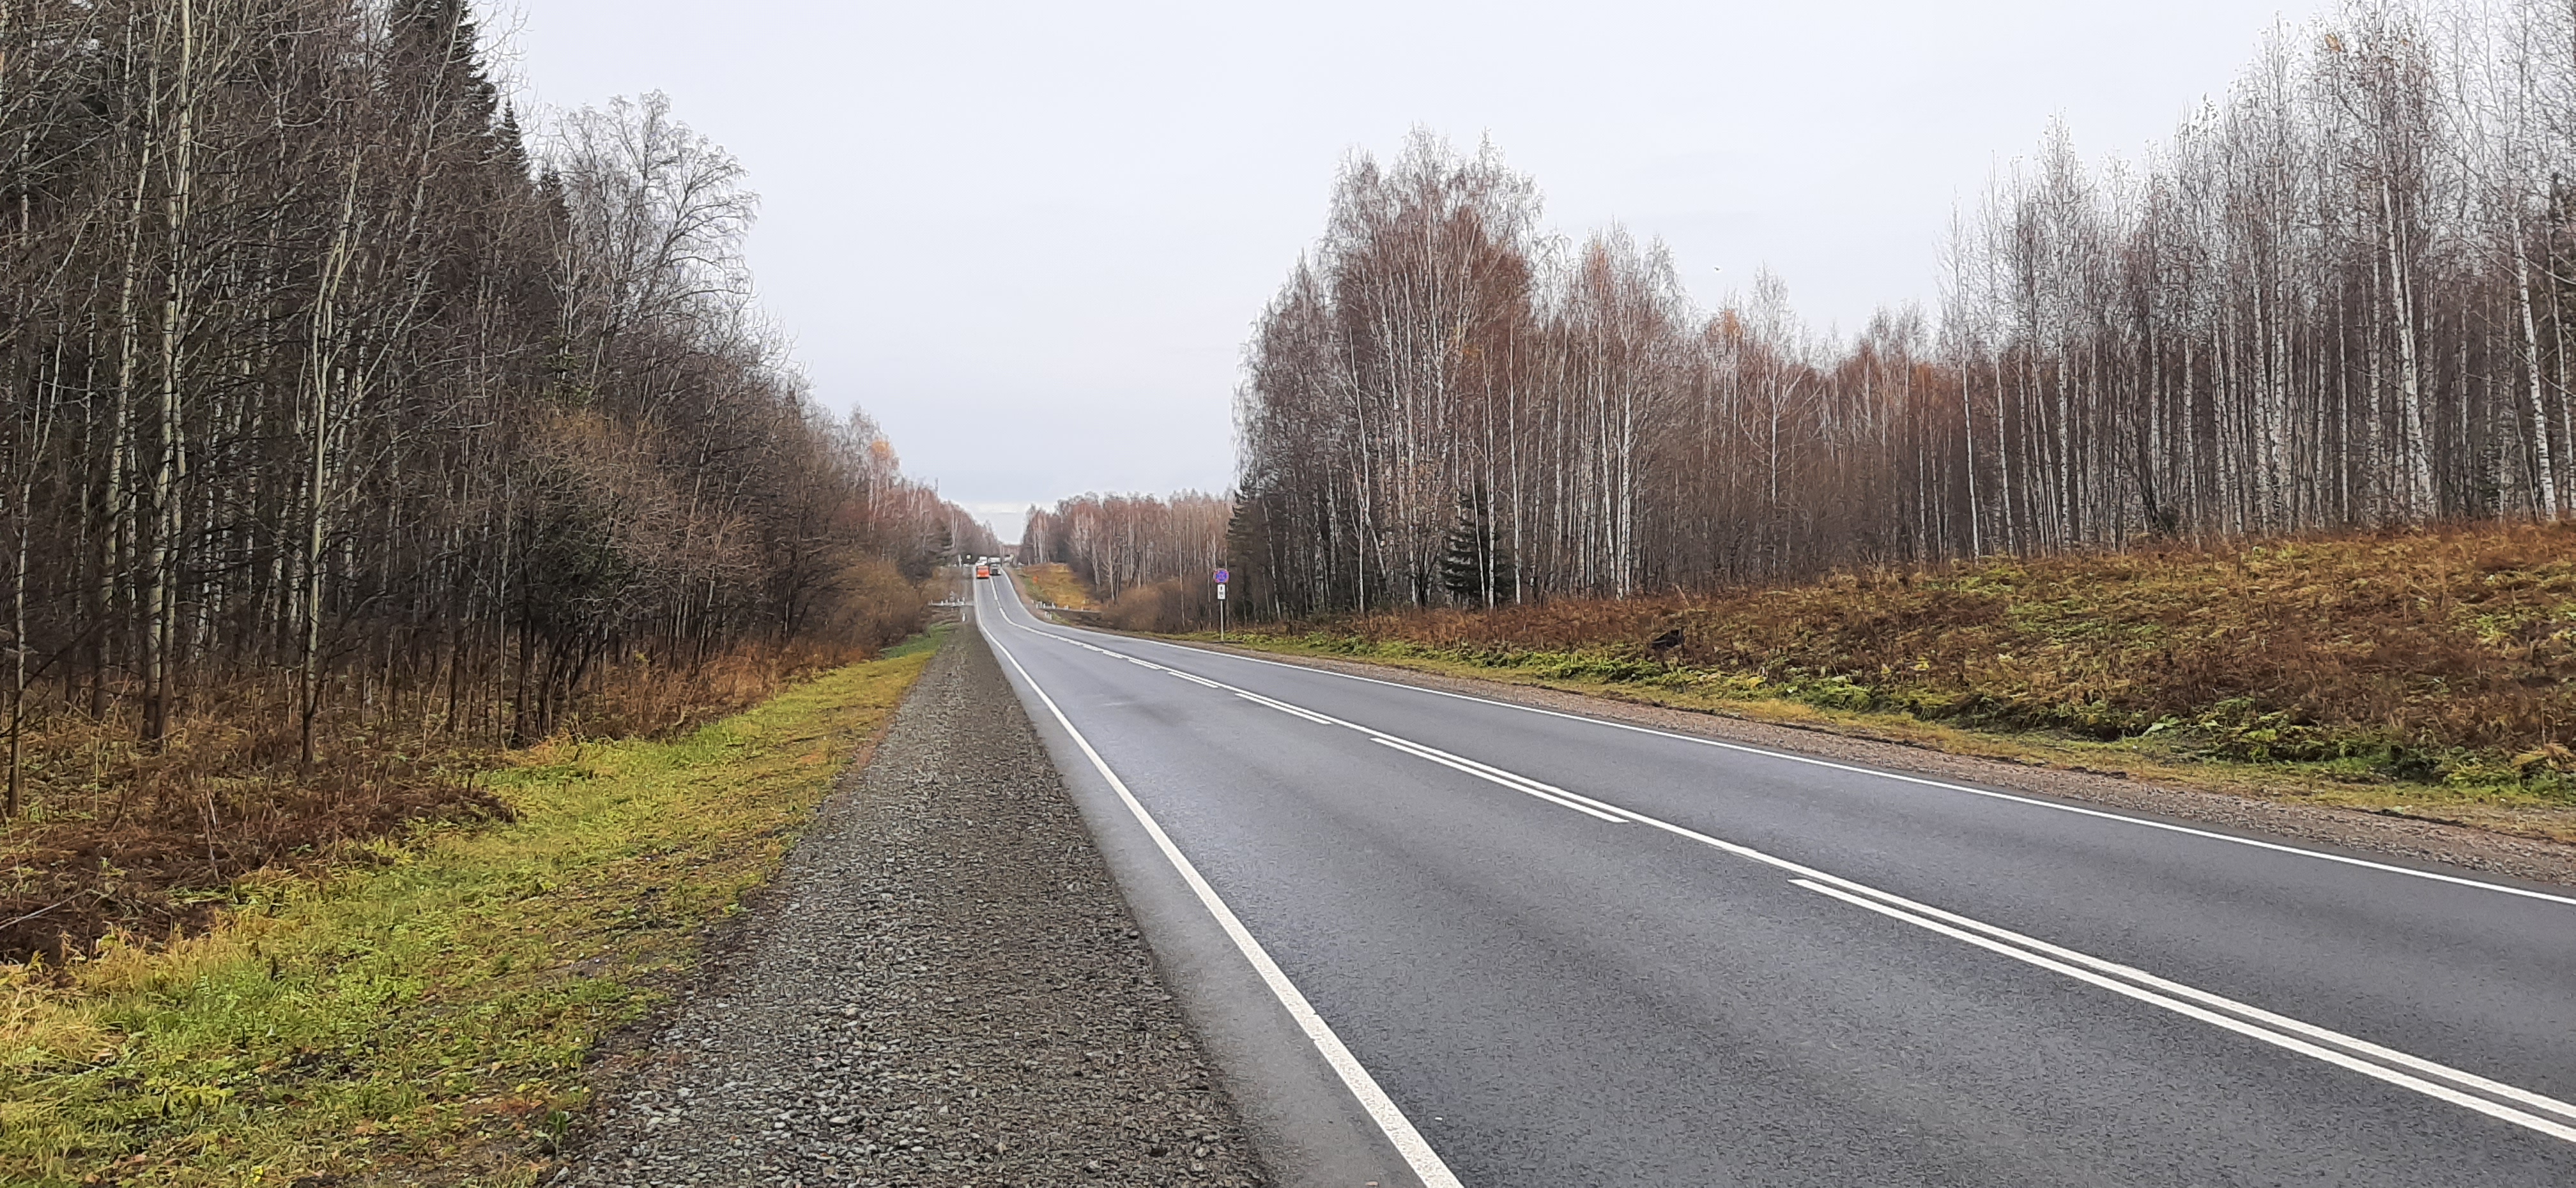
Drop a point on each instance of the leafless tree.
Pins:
(330, 399)
(2340, 298)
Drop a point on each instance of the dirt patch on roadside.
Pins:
(65, 884)
(2406, 837)
(942, 987)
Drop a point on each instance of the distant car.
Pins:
(983, 571)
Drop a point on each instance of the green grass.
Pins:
(428, 1018)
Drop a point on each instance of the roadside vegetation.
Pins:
(1143, 562)
(424, 1012)
(2418, 671)
(456, 429)
(2166, 484)
(1053, 584)
(2334, 299)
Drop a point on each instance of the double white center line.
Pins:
(1517, 783)
(2495, 1099)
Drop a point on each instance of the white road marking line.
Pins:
(1512, 780)
(2280, 1030)
(2250, 1012)
(1506, 779)
(1409, 1143)
(2553, 1129)
(1600, 808)
(1923, 781)
(1281, 706)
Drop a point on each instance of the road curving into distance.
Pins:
(1498, 945)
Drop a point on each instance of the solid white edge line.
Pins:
(1494, 775)
(2403, 1080)
(1922, 781)
(2249, 1011)
(1840, 886)
(1409, 1143)
(2004, 940)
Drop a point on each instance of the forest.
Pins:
(348, 419)
(2342, 297)
(1148, 557)
(1118, 542)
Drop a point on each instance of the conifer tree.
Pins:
(1475, 567)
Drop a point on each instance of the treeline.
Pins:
(328, 397)
(1149, 559)
(1116, 543)
(2342, 298)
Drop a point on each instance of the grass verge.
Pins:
(2500, 807)
(425, 1019)
(1054, 584)
(2429, 673)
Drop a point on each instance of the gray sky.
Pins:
(1030, 238)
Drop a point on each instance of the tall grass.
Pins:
(424, 1017)
(117, 834)
(2439, 656)
(1055, 585)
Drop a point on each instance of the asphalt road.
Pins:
(1557, 951)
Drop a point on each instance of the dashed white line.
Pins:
(1921, 781)
(2521, 1107)
(1495, 775)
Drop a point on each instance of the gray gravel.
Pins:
(942, 987)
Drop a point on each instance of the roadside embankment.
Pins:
(2429, 674)
(944, 987)
(428, 1018)
(1054, 584)
(2401, 835)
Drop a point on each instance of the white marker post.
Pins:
(1220, 605)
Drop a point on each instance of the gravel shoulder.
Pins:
(2406, 839)
(943, 986)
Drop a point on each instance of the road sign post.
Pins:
(1221, 576)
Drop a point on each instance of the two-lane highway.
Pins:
(1541, 949)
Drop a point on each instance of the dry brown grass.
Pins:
(141, 840)
(2436, 656)
(434, 1017)
(1173, 604)
(1055, 585)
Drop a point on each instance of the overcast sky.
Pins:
(1030, 238)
